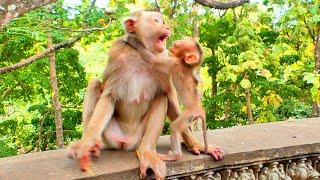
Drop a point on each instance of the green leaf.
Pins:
(232, 77)
(232, 39)
(265, 73)
(315, 19)
(220, 77)
(314, 91)
(238, 69)
(245, 83)
(309, 77)
(314, 10)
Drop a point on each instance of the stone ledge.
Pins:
(245, 145)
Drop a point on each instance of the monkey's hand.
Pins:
(83, 151)
(150, 159)
(146, 54)
(72, 149)
(86, 151)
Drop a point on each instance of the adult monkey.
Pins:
(127, 110)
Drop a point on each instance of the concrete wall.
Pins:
(281, 150)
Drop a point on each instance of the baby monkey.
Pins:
(185, 56)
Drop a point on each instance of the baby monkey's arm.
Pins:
(163, 63)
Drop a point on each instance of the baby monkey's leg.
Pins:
(178, 126)
(204, 131)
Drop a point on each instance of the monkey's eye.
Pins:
(159, 20)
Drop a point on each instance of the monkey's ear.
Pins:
(130, 25)
(191, 59)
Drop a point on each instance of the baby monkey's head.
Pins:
(188, 50)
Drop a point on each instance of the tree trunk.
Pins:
(214, 89)
(249, 108)
(214, 85)
(226, 110)
(55, 94)
(316, 105)
(315, 109)
(195, 22)
(317, 54)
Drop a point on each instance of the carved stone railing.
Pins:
(271, 151)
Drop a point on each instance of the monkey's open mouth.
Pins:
(163, 36)
(161, 41)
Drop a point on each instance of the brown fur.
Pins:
(186, 56)
(129, 111)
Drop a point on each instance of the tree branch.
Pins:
(38, 142)
(72, 30)
(31, 59)
(235, 17)
(222, 5)
(71, 107)
(175, 2)
(311, 33)
(14, 8)
(224, 12)
(9, 90)
(157, 5)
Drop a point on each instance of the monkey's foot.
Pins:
(216, 153)
(170, 156)
(197, 148)
(150, 159)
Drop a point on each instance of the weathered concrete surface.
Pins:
(246, 144)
